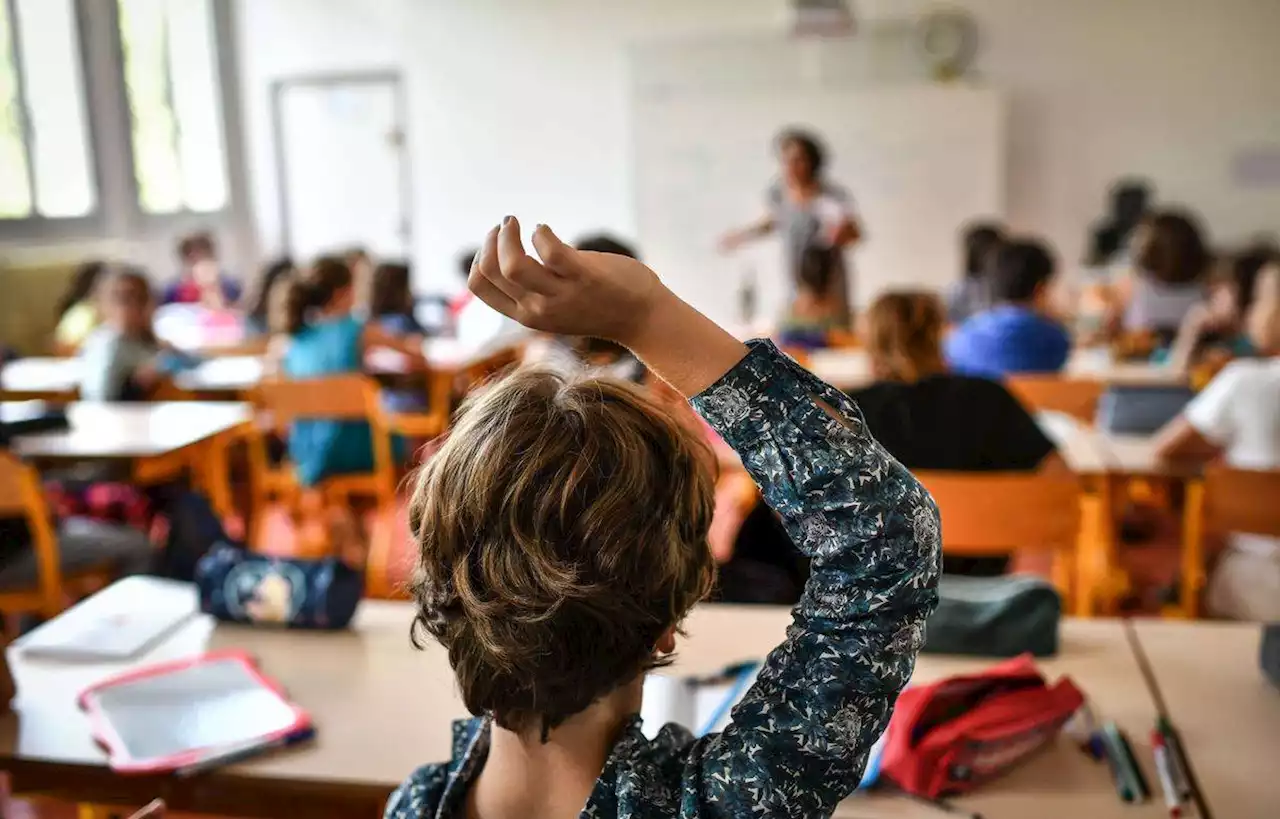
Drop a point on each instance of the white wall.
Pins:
(520, 106)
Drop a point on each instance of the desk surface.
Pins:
(851, 369)
(40, 376)
(366, 685)
(1227, 713)
(125, 431)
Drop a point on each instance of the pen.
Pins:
(1112, 755)
(249, 750)
(1164, 771)
(1135, 770)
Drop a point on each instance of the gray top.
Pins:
(1154, 305)
(809, 224)
(110, 360)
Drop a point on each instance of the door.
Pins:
(342, 165)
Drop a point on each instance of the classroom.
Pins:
(540, 409)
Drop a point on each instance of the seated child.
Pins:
(1212, 333)
(317, 335)
(391, 306)
(201, 281)
(1238, 417)
(121, 360)
(931, 419)
(817, 309)
(562, 530)
(78, 308)
(972, 294)
(1170, 263)
(256, 320)
(1017, 334)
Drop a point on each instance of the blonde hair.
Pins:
(904, 335)
(562, 530)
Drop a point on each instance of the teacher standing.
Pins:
(814, 215)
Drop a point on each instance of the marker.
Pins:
(1164, 770)
(1113, 755)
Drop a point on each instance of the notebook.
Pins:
(121, 622)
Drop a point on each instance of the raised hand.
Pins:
(568, 292)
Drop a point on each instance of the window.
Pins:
(171, 81)
(45, 169)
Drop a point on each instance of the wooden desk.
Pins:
(1227, 713)
(382, 709)
(851, 369)
(159, 439)
(232, 375)
(40, 377)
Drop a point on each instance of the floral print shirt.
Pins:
(799, 738)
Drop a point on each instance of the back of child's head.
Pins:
(1247, 267)
(904, 335)
(275, 272)
(312, 289)
(1020, 270)
(196, 247)
(392, 293)
(817, 267)
(1171, 249)
(562, 532)
(981, 240)
(83, 284)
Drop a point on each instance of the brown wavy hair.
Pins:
(904, 335)
(562, 530)
(290, 300)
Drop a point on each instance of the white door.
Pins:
(343, 167)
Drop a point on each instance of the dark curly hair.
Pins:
(562, 530)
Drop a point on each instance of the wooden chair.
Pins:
(22, 496)
(999, 513)
(1224, 500)
(347, 397)
(1075, 397)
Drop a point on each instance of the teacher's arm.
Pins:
(735, 239)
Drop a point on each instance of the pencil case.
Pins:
(241, 587)
(994, 617)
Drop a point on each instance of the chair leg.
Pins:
(1193, 574)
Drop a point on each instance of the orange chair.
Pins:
(45, 587)
(348, 397)
(1224, 500)
(986, 514)
(1075, 397)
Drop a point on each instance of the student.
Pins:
(361, 264)
(814, 312)
(1016, 335)
(972, 294)
(122, 359)
(317, 335)
(555, 584)
(256, 320)
(391, 307)
(1238, 416)
(201, 281)
(931, 419)
(78, 309)
(1170, 263)
(1213, 331)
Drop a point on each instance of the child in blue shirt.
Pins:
(562, 535)
(1016, 335)
(316, 335)
(391, 306)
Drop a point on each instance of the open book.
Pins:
(704, 704)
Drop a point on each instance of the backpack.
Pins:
(194, 529)
(950, 736)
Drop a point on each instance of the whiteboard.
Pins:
(920, 162)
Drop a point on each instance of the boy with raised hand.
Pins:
(562, 534)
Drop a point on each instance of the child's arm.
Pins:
(800, 738)
(375, 336)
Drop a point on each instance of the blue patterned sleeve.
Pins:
(799, 739)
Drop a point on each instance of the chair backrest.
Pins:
(346, 397)
(22, 496)
(999, 512)
(1070, 396)
(1242, 500)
